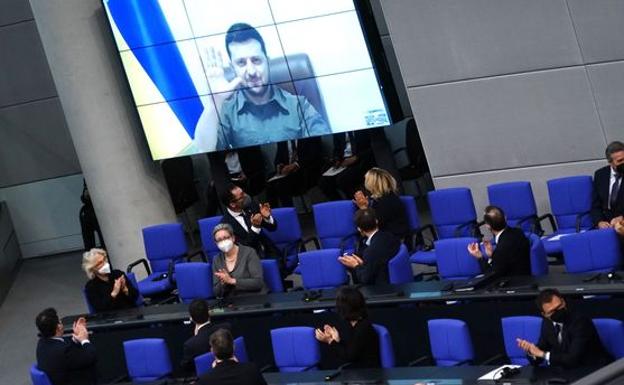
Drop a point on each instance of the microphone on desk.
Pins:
(338, 372)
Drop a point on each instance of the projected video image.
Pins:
(209, 75)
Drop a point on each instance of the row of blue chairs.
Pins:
(296, 349)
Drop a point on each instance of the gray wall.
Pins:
(511, 89)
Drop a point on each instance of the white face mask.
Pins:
(105, 269)
(225, 245)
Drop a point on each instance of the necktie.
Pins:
(615, 189)
(558, 331)
(246, 220)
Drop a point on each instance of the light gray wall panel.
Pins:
(443, 40)
(397, 79)
(35, 143)
(536, 175)
(600, 28)
(24, 72)
(14, 11)
(509, 121)
(608, 84)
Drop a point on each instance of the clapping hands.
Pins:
(225, 277)
(328, 335)
(79, 331)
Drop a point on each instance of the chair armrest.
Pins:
(579, 219)
(475, 229)
(138, 262)
(551, 220)
(419, 360)
(170, 272)
(266, 368)
(194, 253)
(493, 359)
(534, 222)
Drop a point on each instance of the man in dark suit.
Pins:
(567, 339)
(64, 361)
(203, 329)
(297, 169)
(369, 264)
(352, 150)
(248, 218)
(226, 368)
(511, 256)
(608, 196)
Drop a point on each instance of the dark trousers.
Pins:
(89, 225)
(348, 181)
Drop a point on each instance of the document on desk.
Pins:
(276, 177)
(332, 171)
(497, 373)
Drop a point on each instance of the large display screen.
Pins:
(210, 75)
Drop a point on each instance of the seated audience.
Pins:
(358, 345)
(608, 196)
(106, 289)
(237, 268)
(384, 198)
(226, 370)
(296, 170)
(511, 255)
(369, 264)
(199, 343)
(567, 339)
(247, 219)
(65, 361)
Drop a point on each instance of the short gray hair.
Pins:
(222, 226)
(89, 260)
(612, 148)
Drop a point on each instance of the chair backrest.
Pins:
(203, 362)
(164, 243)
(295, 349)
(147, 359)
(89, 306)
(413, 220)
(539, 259)
(272, 277)
(194, 280)
(400, 267)
(517, 201)
(611, 333)
(206, 225)
(591, 251)
(386, 348)
(288, 230)
(450, 342)
(333, 221)
(450, 208)
(525, 327)
(453, 259)
(321, 269)
(39, 377)
(570, 197)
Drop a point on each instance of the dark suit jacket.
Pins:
(360, 145)
(66, 362)
(391, 215)
(98, 293)
(308, 156)
(511, 255)
(233, 373)
(259, 242)
(580, 344)
(383, 246)
(600, 197)
(358, 345)
(198, 345)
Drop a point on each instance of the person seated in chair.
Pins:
(226, 370)
(106, 289)
(511, 256)
(567, 339)
(369, 264)
(608, 194)
(65, 361)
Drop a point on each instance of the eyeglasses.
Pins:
(217, 240)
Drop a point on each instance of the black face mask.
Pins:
(559, 315)
(620, 169)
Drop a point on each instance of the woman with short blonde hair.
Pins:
(379, 182)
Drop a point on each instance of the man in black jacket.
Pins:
(511, 256)
(64, 361)
(608, 194)
(226, 368)
(567, 339)
(203, 329)
(369, 264)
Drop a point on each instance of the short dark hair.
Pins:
(47, 322)
(546, 296)
(350, 304)
(613, 147)
(222, 344)
(226, 196)
(241, 32)
(495, 218)
(366, 219)
(199, 311)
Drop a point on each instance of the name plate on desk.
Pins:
(425, 294)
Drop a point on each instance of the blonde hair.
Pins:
(379, 182)
(89, 260)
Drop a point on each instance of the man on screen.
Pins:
(251, 110)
